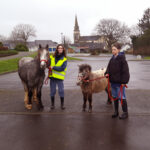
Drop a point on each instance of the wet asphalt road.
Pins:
(73, 129)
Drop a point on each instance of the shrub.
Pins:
(3, 48)
(21, 47)
(1, 44)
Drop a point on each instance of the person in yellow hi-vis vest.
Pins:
(58, 66)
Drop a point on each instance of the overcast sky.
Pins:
(53, 17)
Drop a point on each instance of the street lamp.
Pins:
(61, 38)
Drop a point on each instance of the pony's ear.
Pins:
(40, 46)
(79, 66)
(47, 47)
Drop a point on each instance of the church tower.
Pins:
(76, 31)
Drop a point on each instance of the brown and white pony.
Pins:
(91, 82)
(32, 73)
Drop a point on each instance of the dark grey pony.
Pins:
(32, 73)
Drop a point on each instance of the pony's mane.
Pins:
(84, 66)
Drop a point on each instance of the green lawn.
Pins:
(147, 58)
(12, 64)
(9, 65)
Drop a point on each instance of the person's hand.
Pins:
(123, 85)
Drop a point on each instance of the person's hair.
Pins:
(117, 45)
(64, 51)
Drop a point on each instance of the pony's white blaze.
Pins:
(43, 57)
(79, 79)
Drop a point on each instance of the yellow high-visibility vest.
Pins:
(58, 74)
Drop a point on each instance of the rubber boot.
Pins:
(125, 110)
(62, 103)
(116, 104)
(52, 102)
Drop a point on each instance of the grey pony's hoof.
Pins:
(40, 107)
(83, 109)
(124, 116)
(90, 110)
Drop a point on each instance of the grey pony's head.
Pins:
(43, 56)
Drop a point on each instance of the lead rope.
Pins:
(49, 73)
(120, 92)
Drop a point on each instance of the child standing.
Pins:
(118, 72)
(58, 65)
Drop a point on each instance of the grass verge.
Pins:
(147, 58)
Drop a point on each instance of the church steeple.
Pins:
(76, 31)
(76, 27)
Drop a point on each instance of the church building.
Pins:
(87, 42)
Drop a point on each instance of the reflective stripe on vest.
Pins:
(58, 74)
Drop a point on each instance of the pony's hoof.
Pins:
(35, 100)
(40, 107)
(90, 110)
(83, 109)
(28, 106)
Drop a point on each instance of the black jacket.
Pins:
(118, 70)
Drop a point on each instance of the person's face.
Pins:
(115, 51)
(60, 49)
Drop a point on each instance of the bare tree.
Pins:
(22, 33)
(135, 30)
(113, 31)
(2, 38)
(66, 41)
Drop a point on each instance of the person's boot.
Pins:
(125, 110)
(116, 104)
(62, 102)
(52, 102)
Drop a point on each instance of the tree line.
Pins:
(141, 38)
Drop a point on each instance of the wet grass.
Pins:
(147, 58)
(11, 65)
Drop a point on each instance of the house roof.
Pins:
(42, 42)
(89, 38)
(89, 45)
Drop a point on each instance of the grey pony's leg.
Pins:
(39, 94)
(40, 105)
(84, 100)
(26, 98)
(30, 93)
(108, 99)
(90, 102)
